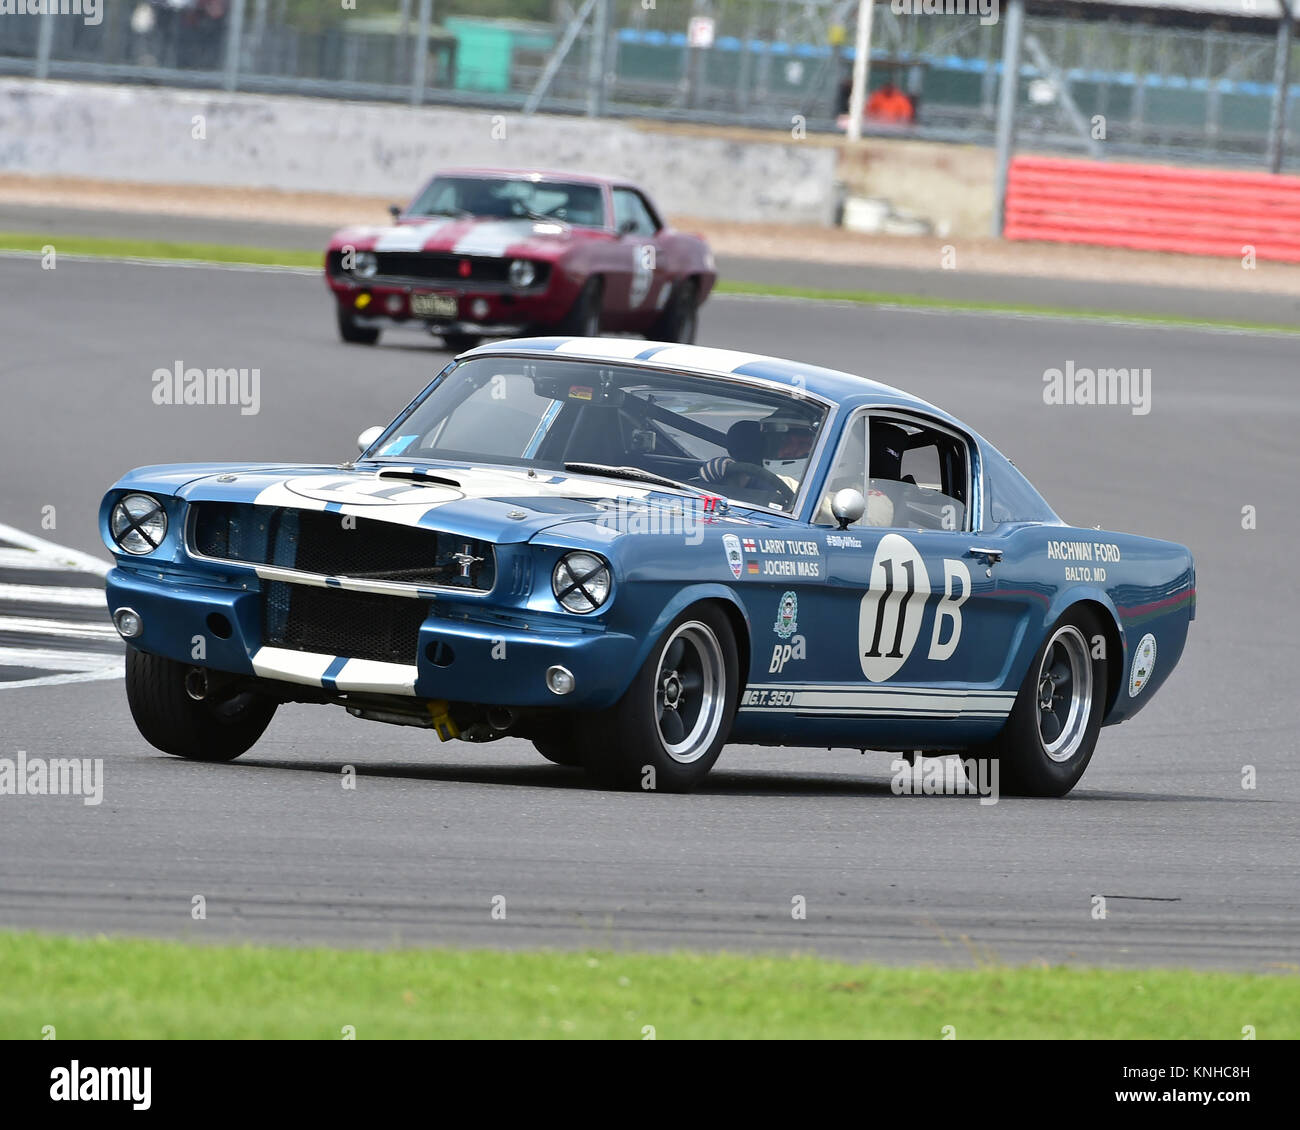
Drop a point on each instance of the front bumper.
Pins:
(487, 310)
(483, 660)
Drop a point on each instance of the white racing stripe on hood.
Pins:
(410, 237)
(406, 502)
(495, 238)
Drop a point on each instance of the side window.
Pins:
(629, 208)
(920, 473)
(848, 471)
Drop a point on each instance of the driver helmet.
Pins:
(788, 440)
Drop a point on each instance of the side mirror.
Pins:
(366, 438)
(848, 506)
(395, 210)
(627, 227)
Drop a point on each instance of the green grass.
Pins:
(107, 247)
(112, 988)
(266, 256)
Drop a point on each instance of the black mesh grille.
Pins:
(317, 542)
(435, 267)
(335, 622)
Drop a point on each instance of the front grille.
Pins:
(332, 621)
(360, 548)
(438, 267)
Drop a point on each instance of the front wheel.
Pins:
(680, 319)
(460, 343)
(583, 318)
(1052, 731)
(668, 729)
(353, 333)
(171, 719)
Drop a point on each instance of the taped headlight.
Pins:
(522, 273)
(365, 265)
(581, 581)
(138, 523)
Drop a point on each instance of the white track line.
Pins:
(51, 659)
(51, 594)
(65, 628)
(42, 554)
(109, 672)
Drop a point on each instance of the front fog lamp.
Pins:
(365, 265)
(138, 524)
(128, 623)
(581, 581)
(522, 273)
(560, 680)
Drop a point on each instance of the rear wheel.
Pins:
(567, 754)
(459, 343)
(171, 719)
(583, 318)
(1052, 731)
(355, 334)
(680, 319)
(668, 729)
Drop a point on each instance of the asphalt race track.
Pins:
(1197, 870)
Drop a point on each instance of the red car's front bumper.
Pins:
(449, 308)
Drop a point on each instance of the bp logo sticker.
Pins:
(787, 616)
(1144, 662)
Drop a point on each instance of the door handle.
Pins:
(992, 556)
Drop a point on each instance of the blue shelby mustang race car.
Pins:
(631, 554)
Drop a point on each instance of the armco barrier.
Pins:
(1154, 208)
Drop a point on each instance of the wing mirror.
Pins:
(395, 210)
(848, 506)
(366, 438)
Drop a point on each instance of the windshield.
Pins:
(506, 198)
(616, 421)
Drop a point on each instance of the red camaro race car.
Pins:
(493, 253)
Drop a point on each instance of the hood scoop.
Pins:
(422, 478)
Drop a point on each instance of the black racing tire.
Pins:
(170, 720)
(583, 318)
(568, 754)
(680, 319)
(625, 747)
(1029, 766)
(354, 334)
(459, 343)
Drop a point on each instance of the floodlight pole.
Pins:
(1281, 89)
(861, 68)
(1013, 35)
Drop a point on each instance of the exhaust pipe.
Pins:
(500, 717)
(196, 683)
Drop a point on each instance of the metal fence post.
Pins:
(596, 60)
(420, 62)
(45, 42)
(1281, 90)
(234, 43)
(1013, 35)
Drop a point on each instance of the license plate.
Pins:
(434, 305)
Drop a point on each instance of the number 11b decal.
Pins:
(889, 619)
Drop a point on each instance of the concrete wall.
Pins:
(303, 144)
